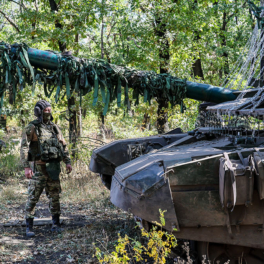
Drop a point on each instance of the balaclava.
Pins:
(39, 107)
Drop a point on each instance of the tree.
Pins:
(186, 38)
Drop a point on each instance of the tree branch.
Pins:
(92, 38)
(36, 5)
(18, 3)
(54, 7)
(235, 13)
(111, 27)
(10, 21)
(135, 42)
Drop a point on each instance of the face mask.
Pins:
(46, 116)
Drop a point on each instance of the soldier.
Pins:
(44, 145)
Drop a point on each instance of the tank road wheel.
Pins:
(221, 253)
(106, 180)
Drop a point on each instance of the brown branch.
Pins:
(235, 13)
(111, 27)
(54, 7)
(92, 38)
(107, 39)
(135, 42)
(36, 5)
(10, 21)
(20, 4)
(142, 9)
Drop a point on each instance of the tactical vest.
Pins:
(47, 148)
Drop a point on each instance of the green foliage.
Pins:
(157, 246)
(129, 30)
(81, 76)
(9, 160)
(125, 33)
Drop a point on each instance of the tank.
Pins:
(210, 181)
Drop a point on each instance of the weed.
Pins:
(10, 165)
(156, 246)
(7, 194)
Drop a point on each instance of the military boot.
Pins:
(29, 230)
(56, 226)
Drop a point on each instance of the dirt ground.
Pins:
(88, 223)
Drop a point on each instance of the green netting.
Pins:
(86, 75)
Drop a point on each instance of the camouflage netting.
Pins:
(83, 76)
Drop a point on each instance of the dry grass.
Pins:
(12, 191)
(82, 186)
(8, 193)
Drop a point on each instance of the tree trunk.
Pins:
(102, 126)
(80, 122)
(197, 65)
(146, 121)
(11, 95)
(197, 69)
(35, 20)
(162, 120)
(72, 120)
(76, 40)
(79, 134)
(72, 123)
(102, 38)
(262, 57)
(102, 117)
(130, 111)
(22, 120)
(54, 7)
(223, 44)
(164, 57)
(71, 101)
(84, 111)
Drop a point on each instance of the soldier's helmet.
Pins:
(39, 107)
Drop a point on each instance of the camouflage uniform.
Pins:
(41, 179)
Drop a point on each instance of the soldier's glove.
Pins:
(28, 173)
(68, 168)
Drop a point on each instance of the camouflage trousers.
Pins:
(37, 184)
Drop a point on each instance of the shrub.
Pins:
(157, 246)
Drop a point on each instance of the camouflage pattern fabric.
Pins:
(37, 184)
(41, 179)
(29, 136)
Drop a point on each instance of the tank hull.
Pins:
(182, 178)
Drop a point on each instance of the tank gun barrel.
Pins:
(43, 59)
(209, 93)
(198, 91)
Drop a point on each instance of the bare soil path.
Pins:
(85, 223)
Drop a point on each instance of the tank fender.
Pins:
(144, 194)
